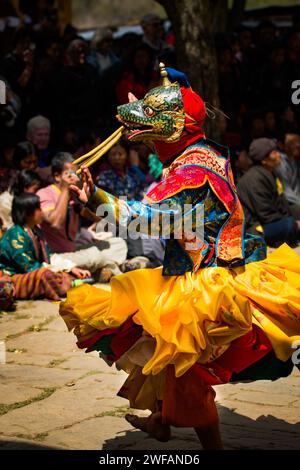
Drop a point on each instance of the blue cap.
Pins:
(177, 76)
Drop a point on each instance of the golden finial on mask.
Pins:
(164, 75)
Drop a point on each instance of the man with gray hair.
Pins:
(38, 133)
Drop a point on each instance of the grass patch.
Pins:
(29, 437)
(16, 350)
(90, 372)
(22, 316)
(56, 362)
(23, 436)
(118, 412)
(41, 437)
(36, 328)
(47, 392)
(40, 325)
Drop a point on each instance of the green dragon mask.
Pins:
(158, 116)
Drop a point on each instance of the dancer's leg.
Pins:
(210, 437)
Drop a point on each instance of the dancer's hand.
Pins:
(87, 189)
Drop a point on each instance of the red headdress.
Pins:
(194, 109)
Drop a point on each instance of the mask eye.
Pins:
(149, 111)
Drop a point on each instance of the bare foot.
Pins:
(152, 425)
(105, 275)
(138, 422)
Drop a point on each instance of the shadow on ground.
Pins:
(238, 432)
(12, 444)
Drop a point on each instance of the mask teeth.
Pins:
(164, 75)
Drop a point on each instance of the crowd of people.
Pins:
(61, 98)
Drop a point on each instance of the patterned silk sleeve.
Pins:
(158, 220)
(21, 255)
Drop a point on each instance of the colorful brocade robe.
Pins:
(200, 177)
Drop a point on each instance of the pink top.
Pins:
(60, 240)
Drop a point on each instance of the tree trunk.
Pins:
(194, 26)
(220, 20)
(236, 14)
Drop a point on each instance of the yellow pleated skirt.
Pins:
(195, 317)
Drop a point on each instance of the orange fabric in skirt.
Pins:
(188, 401)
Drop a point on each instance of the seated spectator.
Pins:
(38, 133)
(108, 68)
(23, 252)
(274, 81)
(240, 163)
(126, 44)
(17, 66)
(229, 81)
(122, 178)
(26, 12)
(271, 127)
(61, 214)
(288, 121)
(77, 90)
(230, 137)
(47, 68)
(25, 158)
(47, 24)
(102, 57)
(139, 76)
(87, 143)
(265, 39)
(289, 172)
(26, 181)
(254, 129)
(61, 221)
(153, 29)
(293, 53)
(7, 171)
(69, 141)
(267, 211)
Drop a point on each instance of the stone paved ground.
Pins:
(55, 396)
